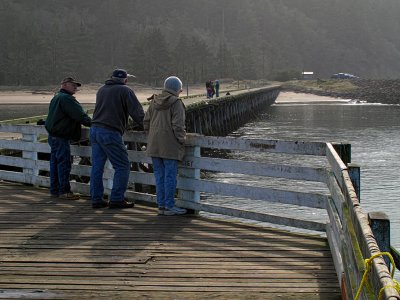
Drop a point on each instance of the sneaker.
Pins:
(53, 195)
(174, 211)
(101, 204)
(121, 204)
(161, 211)
(69, 196)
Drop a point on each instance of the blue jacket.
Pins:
(115, 102)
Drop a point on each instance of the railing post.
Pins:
(31, 173)
(380, 225)
(187, 171)
(355, 177)
(344, 151)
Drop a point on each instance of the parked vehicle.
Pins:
(344, 76)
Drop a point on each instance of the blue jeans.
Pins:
(108, 143)
(60, 165)
(165, 172)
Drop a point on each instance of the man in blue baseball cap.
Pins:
(115, 102)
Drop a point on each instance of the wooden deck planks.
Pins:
(63, 249)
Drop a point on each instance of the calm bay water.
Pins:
(373, 132)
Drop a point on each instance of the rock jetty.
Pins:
(369, 90)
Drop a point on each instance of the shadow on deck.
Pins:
(54, 248)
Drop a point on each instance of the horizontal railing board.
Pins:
(24, 146)
(335, 222)
(84, 151)
(24, 178)
(256, 168)
(139, 156)
(243, 167)
(251, 192)
(258, 145)
(262, 217)
(349, 272)
(240, 191)
(335, 250)
(25, 129)
(336, 195)
(136, 137)
(24, 162)
(336, 164)
(335, 235)
(353, 248)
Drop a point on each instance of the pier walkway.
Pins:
(53, 248)
(63, 249)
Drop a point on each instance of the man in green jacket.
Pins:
(63, 124)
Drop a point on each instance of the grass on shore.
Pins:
(330, 85)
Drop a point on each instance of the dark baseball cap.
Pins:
(121, 73)
(72, 80)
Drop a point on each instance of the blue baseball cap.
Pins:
(121, 73)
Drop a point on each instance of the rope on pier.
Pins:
(396, 286)
(368, 263)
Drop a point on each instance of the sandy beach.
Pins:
(88, 96)
(300, 98)
(85, 95)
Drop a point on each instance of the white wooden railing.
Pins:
(347, 228)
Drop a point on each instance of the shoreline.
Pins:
(383, 91)
(288, 97)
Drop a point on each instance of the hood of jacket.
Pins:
(164, 100)
(113, 82)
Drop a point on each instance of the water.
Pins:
(373, 132)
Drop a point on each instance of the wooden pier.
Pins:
(60, 249)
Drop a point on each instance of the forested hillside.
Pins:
(44, 40)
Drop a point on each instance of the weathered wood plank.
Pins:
(314, 200)
(336, 164)
(256, 168)
(28, 129)
(117, 294)
(59, 247)
(258, 145)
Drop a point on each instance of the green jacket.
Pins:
(66, 116)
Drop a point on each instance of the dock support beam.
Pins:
(355, 177)
(344, 151)
(380, 225)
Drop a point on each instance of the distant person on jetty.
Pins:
(216, 88)
(210, 89)
(63, 124)
(164, 123)
(115, 102)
